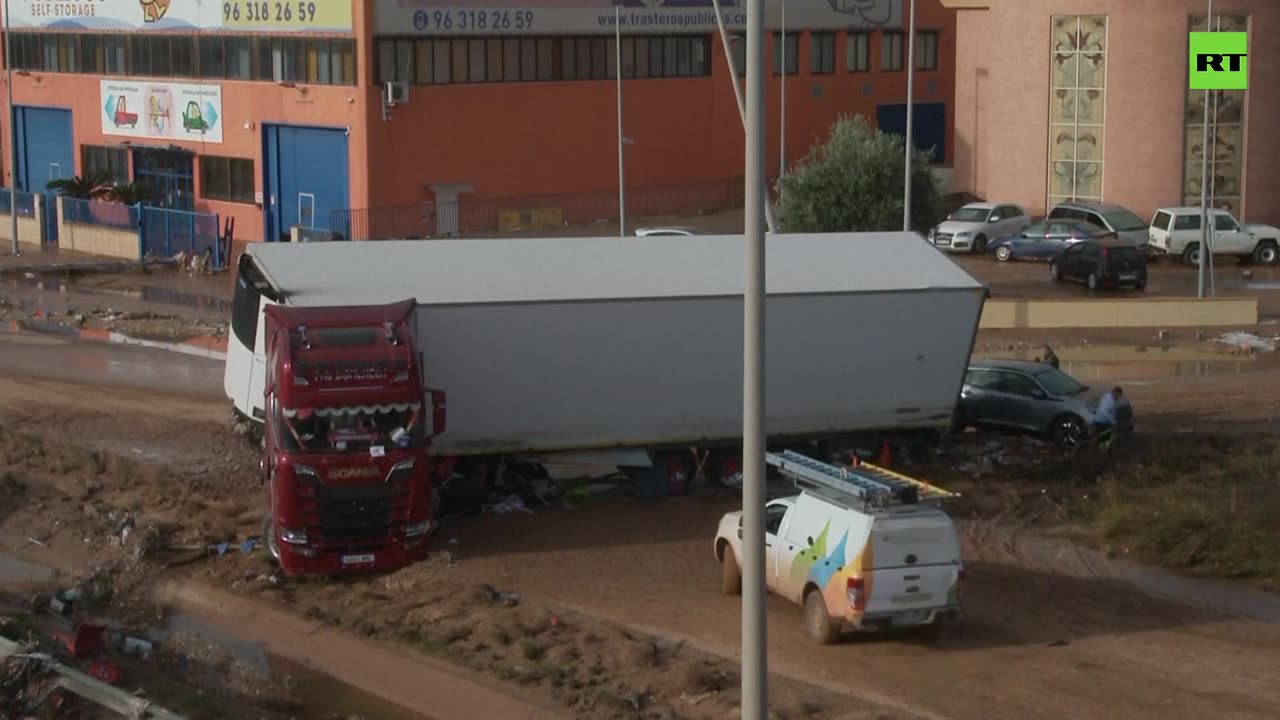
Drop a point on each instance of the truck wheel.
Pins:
(1191, 256)
(1265, 253)
(817, 621)
(730, 576)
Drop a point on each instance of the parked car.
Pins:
(654, 231)
(972, 226)
(1033, 398)
(1175, 231)
(1106, 262)
(1043, 240)
(853, 562)
(1108, 216)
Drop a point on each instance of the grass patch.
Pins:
(1202, 506)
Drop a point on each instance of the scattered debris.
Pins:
(1247, 342)
(512, 503)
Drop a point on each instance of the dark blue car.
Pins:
(1043, 240)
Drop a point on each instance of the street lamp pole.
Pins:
(1204, 180)
(755, 672)
(911, 77)
(617, 49)
(13, 134)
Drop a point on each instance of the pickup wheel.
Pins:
(1191, 256)
(730, 577)
(816, 619)
(1266, 252)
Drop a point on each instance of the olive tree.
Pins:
(853, 182)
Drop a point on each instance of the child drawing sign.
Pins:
(159, 105)
(174, 111)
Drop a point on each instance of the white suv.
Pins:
(1175, 231)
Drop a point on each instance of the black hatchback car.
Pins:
(1106, 262)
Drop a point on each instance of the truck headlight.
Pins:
(416, 529)
(293, 537)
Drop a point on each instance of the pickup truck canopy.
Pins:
(470, 271)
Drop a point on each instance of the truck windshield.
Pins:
(351, 429)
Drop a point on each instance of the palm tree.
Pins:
(132, 193)
(89, 187)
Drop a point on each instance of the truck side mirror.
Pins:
(439, 415)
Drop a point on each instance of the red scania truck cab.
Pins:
(346, 438)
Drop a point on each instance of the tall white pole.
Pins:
(909, 144)
(617, 62)
(1204, 180)
(755, 664)
(782, 95)
(13, 135)
(737, 94)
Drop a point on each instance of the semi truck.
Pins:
(628, 351)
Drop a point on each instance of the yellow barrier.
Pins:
(1034, 314)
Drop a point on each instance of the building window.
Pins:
(791, 49)
(822, 53)
(739, 42)
(1077, 107)
(891, 51)
(488, 60)
(114, 161)
(927, 50)
(857, 53)
(226, 178)
(1226, 134)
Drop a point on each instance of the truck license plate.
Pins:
(356, 559)
(911, 617)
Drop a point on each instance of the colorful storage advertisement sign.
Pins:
(183, 15)
(551, 17)
(162, 111)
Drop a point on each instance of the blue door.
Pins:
(46, 151)
(305, 177)
(928, 125)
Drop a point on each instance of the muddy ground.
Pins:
(613, 609)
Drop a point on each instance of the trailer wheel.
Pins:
(730, 577)
(724, 469)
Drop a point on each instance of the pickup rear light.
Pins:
(855, 587)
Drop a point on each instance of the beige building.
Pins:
(1088, 100)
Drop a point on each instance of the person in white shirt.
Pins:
(1104, 418)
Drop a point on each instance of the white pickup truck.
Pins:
(860, 548)
(1175, 231)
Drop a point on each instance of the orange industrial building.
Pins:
(416, 117)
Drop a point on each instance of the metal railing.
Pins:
(166, 232)
(105, 214)
(469, 217)
(26, 203)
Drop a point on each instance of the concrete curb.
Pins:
(204, 346)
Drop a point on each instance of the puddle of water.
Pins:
(1114, 362)
(14, 570)
(159, 295)
(322, 696)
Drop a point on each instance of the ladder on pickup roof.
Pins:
(871, 486)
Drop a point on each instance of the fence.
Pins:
(167, 232)
(26, 203)
(102, 214)
(489, 216)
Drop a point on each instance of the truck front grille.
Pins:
(355, 511)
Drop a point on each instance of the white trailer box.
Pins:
(556, 344)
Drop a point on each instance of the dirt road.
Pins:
(1048, 633)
